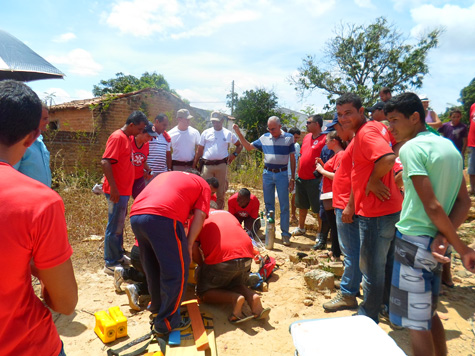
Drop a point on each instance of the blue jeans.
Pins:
(113, 250)
(62, 353)
(165, 260)
(272, 181)
(376, 261)
(349, 238)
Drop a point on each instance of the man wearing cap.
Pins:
(119, 178)
(140, 149)
(377, 112)
(184, 140)
(278, 148)
(213, 149)
(307, 186)
(160, 158)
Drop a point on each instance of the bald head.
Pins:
(273, 126)
(274, 119)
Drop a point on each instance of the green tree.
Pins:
(128, 83)
(253, 109)
(467, 98)
(363, 59)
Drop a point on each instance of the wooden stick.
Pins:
(199, 332)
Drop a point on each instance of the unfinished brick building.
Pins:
(79, 129)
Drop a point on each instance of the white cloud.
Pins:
(458, 22)
(145, 17)
(78, 61)
(316, 7)
(65, 37)
(55, 96)
(83, 94)
(364, 3)
(170, 18)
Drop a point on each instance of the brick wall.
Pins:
(82, 135)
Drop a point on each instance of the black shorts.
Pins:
(224, 275)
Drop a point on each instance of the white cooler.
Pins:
(350, 335)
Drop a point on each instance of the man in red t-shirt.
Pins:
(307, 185)
(157, 217)
(119, 175)
(377, 201)
(471, 146)
(34, 237)
(140, 152)
(245, 207)
(223, 273)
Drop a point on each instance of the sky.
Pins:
(201, 46)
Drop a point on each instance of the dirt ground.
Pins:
(285, 294)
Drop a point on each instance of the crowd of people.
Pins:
(389, 190)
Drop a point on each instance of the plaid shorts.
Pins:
(415, 283)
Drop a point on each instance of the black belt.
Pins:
(210, 162)
(181, 163)
(276, 170)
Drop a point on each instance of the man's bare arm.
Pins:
(447, 225)
(107, 170)
(198, 155)
(60, 289)
(247, 145)
(381, 167)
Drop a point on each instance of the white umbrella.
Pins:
(19, 62)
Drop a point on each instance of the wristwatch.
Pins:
(235, 154)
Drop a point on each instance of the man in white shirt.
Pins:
(184, 141)
(213, 149)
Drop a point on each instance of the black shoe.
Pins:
(320, 245)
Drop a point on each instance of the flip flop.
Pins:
(263, 315)
(448, 285)
(233, 319)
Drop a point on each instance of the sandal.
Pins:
(263, 315)
(233, 319)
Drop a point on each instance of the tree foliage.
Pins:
(363, 59)
(467, 98)
(128, 83)
(253, 109)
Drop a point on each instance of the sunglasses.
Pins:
(309, 122)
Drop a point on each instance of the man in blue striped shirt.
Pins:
(278, 147)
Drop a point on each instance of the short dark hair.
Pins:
(284, 128)
(294, 130)
(20, 111)
(161, 117)
(349, 98)
(385, 90)
(136, 118)
(245, 193)
(407, 104)
(455, 111)
(317, 118)
(213, 182)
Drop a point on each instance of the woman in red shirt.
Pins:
(327, 170)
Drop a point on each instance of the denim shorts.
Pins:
(224, 275)
(415, 283)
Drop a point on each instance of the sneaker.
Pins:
(118, 279)
(133, 296)
(320, 244)
(298, 231)
(110, 269)
(97, 189)
(341, 302)
(125, 260)
(184, 324)
(285, 240)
